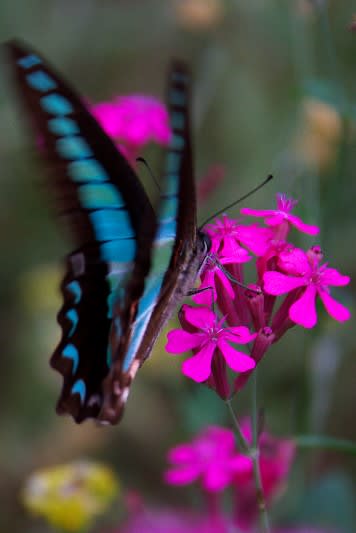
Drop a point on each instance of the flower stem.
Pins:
(254, 453)
(242, 442)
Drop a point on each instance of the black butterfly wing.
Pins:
(178, 250)
(111, 221)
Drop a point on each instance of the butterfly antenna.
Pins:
(154, 179)
(269, 177)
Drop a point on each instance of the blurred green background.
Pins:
(274, 92)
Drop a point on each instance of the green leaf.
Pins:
(325, 443)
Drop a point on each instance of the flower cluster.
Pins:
(213, 461)
(249, 314)
(134, 121)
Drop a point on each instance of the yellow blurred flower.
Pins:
(198, 14)
(318, 140)
(70, 496)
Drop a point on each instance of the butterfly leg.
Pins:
(193, 292)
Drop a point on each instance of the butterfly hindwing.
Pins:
(111, 221)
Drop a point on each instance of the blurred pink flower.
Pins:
(210, 458)
(314, 280)
(281, 218)
(209, 338)
(172, 521)
(133, 121)
(213, 460)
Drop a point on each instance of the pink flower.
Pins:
(134, 121)
(209, 339)
(213, 460)
(281, 218)
(313, 280)
(210, 458)
(228, 236)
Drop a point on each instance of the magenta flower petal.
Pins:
(200, 317)
(135, 120)
(225, 282)
(182, 475)
(180, 341)
(255, 238)
(333, 307)
(182, 453)
(232, 337)
(294, 261)
(330, 276)
(303, 311)
(240, 334)
(238, 361)
(216, 478)
(281, 215)
(240, 256)
(301, 226)
(106, 114)
(276, 283)
(242, 464)
(211, 456)
(229, 246)
(198, 367)
(219, 437)
(228, 237)
(274, 220)
(204, 297)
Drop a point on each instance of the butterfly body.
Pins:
(129, 269)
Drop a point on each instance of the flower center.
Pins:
(213, 333)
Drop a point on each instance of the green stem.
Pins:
(261, 501)
(242, 442)
(253, 452)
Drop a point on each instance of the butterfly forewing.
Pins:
(177, 250)
(112, 224)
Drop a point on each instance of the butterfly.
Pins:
(129, 268)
